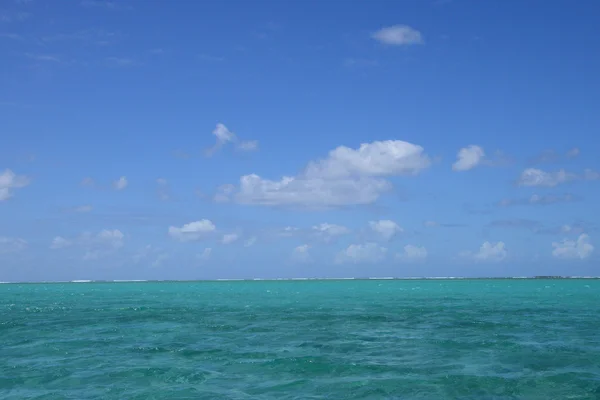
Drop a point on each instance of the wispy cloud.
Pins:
(9, 16)
(552, 156)
(121, 62)
(539, 200)
(208, 57)
(98, 4)
(44, 57)
(88, 36)
(537, 177)
(12, 36)
(398, 35)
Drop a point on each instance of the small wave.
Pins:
(130, 280)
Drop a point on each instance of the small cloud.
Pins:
(12, 245)
(288, 231)
(225, 136)
(98, 245)
(121, 183)
(398, 35)
(488, 252)
(208, 57)
(250, 145)
(571, 249)
(328, 232)
(300, 254)
(386, 229)
(157, 52)
(537, 177)
(224, 193)
(83, 209)
(539, 200)
(192, 231)
(60, 242)
(205, 255)
(468, 158)
(412, 253)
(574, 152)
(250, 242)
(44, 57)
(9, 182)
(552, 156)
(98, 4)
(7, 16)
(361, 253)
(229, 238)
(12, 36)
(120, 62)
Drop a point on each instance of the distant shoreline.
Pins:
(314, 279)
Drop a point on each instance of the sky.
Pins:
(271, 139)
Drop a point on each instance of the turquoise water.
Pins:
(480, 339)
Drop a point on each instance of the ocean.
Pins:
(346, 339)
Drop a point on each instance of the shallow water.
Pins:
(471, 339)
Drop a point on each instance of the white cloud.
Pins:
(361, 253)
(310, 193)
(379, 158)
(300, 254)
(385, 228)
(103, 243)
(581, 248)
(192, 231)
(225, 136)
(468, 157)
(9, 181)
(230, 238)
(224, 193)
(249, 145)
(488, 252)
(430, 224)
(398, 35)
(574, 152)
(345, 177)
(250, 242)
(12, 245)
(99, 3)
(60, 242)
(206, 253)
(330, 231)
(412, 253)
(121, 183)
(288, 231)
(83, 209)
(537, 177)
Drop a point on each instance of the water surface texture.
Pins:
(476, 339)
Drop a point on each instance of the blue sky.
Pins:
(236, 139)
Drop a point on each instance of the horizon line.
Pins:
(536, 277)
